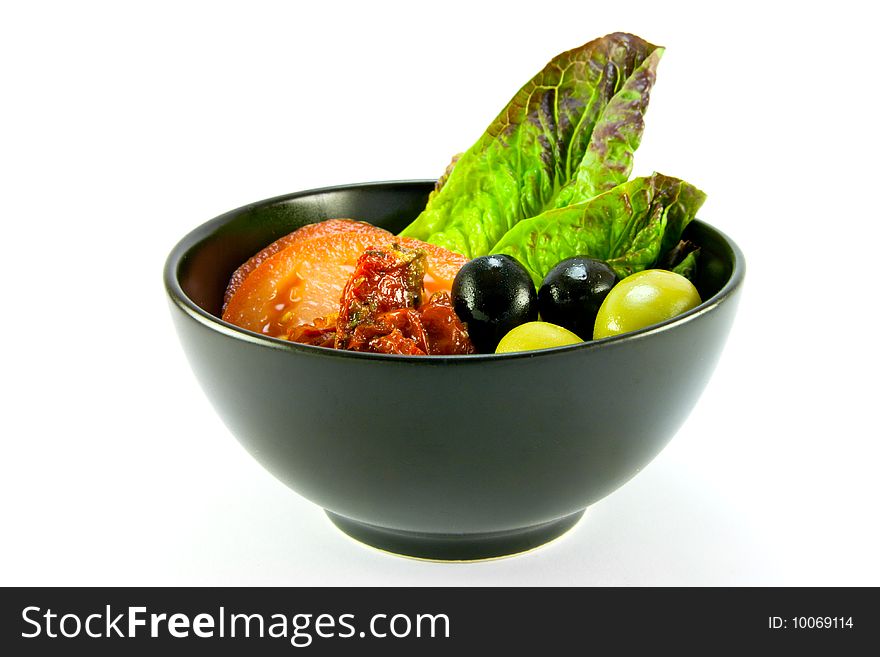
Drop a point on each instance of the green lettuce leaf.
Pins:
(688, 265)
(629, 227)
(682, 259)
(539, 142)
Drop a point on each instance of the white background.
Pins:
(124, 126)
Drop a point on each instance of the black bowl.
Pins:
(444, 457)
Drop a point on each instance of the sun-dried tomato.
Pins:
(382, 310)
(320, 333)
(446, 332)
(383, 280)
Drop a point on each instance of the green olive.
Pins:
(535, 335)
(642, 299)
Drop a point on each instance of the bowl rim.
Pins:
(204, 231)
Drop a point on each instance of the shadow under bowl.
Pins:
(441, 457)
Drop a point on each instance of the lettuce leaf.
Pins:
(688, 265)
(581, 116)
(682, 259)
(629, 227)
(618, 133)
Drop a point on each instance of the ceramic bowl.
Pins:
(441, 457)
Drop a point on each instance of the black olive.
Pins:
(572, 293)
(493, 294)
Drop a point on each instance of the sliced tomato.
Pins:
(441, 267)
(299, 278)
(309, 231)
(299, 284)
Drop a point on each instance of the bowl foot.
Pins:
(455, 547)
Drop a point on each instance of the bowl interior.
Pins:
(209, 255)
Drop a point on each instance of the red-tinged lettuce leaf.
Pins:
(627, 227)
(618, 133)
(536, 145)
